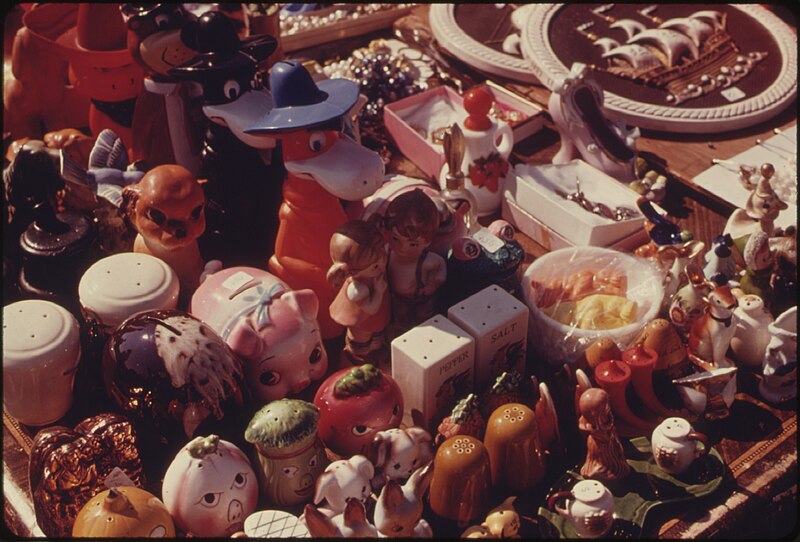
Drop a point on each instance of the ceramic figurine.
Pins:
(244, 172)
(461, 481)
(70, 466)
(675, 445)
(582, 383)
(615, 377)
(680, 261)
(547, 418)
(465, 419)
(433, 364)
(711, 334)
(515, 448)
(210, 487)
(783, 280)
(117, 287)
(323, 165)
(487, 144)
(399, 452)
(174, 376)
(589, 508)
(749, 342)
(124, 512)
(41, 352)
(342, 480)
(165, 122)
(358, 252)
(355, 404)
(660, 335)
(688, 303)
(103, 68)
(37, 94)
(398, 512)
(351, 523)
(576, 106)
(642, 362)
(602, 349)
(167, 209)
(461, 203)
(272, 329)
(499, 324)
(761, 209)
(414, 273)
(290, 455)
(758, 258)
(506, 389)
(605, 460)
(720, 265)
(661, 230)
(779, 369)
(501, 522)
(709, 393)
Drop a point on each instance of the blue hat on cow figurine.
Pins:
(299, 102)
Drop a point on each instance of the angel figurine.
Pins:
(605, 459)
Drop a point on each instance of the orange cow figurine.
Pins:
(323, 165)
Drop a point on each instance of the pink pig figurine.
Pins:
(272, 328)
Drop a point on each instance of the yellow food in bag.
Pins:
(597, 311)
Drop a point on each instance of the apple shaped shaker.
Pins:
(124, 512)
(210, 488)
(290, 454)
(355, 404)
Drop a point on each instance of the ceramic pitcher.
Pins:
(674, 444)
(589, 508)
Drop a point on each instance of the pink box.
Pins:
(429, 156)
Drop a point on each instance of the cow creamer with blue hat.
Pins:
(273, 329)
(323, 166)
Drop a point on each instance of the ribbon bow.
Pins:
(262, 301)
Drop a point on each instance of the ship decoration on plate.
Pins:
(688, 57)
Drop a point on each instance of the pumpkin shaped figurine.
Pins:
(210, 487)
(124, 512)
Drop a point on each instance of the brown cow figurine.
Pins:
(167, 209)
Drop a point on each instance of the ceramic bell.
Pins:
(589, 508)
(779, 369)
(290, 454)
(70, 466)
(675, 445)
(41, 351)
(355, 404)
(461, 481)
(124, 512)
(752, 335)
(175, 377)
(210, 488)
(273, 329)
(487, 146)
(119, 286)
(514, 446)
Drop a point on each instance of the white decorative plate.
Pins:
(551, 42)
(483, 53)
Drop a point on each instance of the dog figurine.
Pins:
(711, 334)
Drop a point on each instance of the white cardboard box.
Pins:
(434, 365)
(498, 322)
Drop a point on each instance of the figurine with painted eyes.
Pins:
(167, 209)
(358, 252)
(210, 488)
(415, 273)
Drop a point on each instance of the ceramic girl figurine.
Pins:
(752, 334)
(415, 274)
(167, 209)
(210, 488)
(290, 454)
(358, 252)
(758, 258)
(501, 522)
(762, 208)
(273, 329)
(779, 383)
(605, 459)
(398, 512)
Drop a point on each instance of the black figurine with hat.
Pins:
(244, 175)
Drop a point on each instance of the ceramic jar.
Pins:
(121, 285)
(589, 508)
(290, 454)
(514, 447)
(41, 350)
(752, 334)
(462, 479)
(674, 444)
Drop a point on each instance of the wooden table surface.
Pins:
(758, 441)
